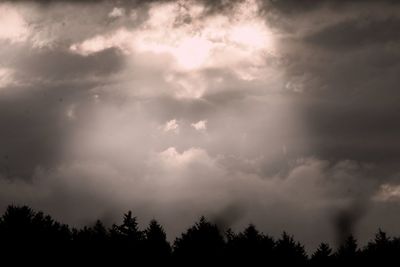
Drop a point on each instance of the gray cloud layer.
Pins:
(99, 114)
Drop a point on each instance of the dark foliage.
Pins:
(202, 243)
(249, 246)
(322, 256)
(26, 235)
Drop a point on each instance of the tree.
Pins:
(23, 225)
(322, 256)
(157, 248)
(127, 240)
(32, 234)
(289, 252)
(382, 250)
(128, 230)
(16, 224)
(249, 246)
(201, 243)
(348, 252)
(36, 235)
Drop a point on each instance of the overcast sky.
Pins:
(281, 113)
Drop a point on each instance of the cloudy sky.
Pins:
(280, 113)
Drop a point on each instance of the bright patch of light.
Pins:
(171, 126)
(120, 39)
(250, 36)
(13, 26)
(171, 158)
(191, 40)
(388, 192)
(192, 52)
(200, 125)
(195, 40)
(116, 12)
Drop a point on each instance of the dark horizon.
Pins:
(24, 231)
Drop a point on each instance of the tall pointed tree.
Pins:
(348, 252)
(201, 243)
(322, 256)
(157, 247)
(288, 251)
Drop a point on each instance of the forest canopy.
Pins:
(24, 231)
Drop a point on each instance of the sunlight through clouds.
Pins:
(13, 26)
(194, 39)
(261, 104)
(187, 40)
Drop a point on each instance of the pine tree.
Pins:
(201, 243)
(157, 247)
(348, 252)
(322, 256)
(288, 251)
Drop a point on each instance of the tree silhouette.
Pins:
(33, 235)
(322, 256)
(22, 224)
(249, 246)
(157, 248)
(38, 238)
(128, 230)
(289, 252)
(127, 239)
(96, 234)
(348, 252)
(201, 244)
(382, 250)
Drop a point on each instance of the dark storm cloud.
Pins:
(357, 33)
(61, 64)
(34, 111)
(293, 7)
(124, 3)
(346, 68)
(33, 130)
(348, 71)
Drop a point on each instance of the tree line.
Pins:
(26, 235)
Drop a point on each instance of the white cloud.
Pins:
(13, 26)
(195, 40)
(119, 39)
(188, 42)
(116, 12)
(388, 192)
(172, 158)
(200, 125)
(171, 126)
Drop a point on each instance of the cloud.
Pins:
(116, 12)
(14, 27)
(197, 42)
(119, 39)
(388, 192)
(186, 184)
(6, 77)
(171, 126)
(357, 33)
(200, 125)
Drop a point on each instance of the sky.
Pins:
(280, 113)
